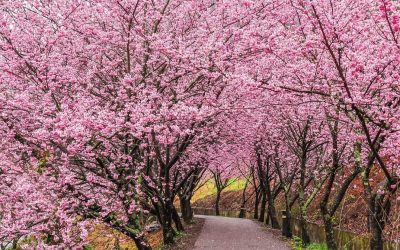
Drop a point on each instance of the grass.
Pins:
(210, 189)
(297, 242)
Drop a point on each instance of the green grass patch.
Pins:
(210, 189)
(313, 246)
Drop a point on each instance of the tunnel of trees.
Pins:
(110, 111)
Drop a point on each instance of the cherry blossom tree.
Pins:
(343, 54)
(109, 96)
(109, 110)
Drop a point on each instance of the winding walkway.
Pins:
(222, 233)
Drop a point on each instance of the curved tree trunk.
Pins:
(217, 203)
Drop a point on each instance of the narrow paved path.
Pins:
(222, 233)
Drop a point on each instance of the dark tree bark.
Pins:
(177, 220)
(164, 182)
(141, 243)
(262, 177)
(132, 232)
(186, 209)
(186, 192)
(303, 226)
(287, 183)
(164, 215)
(302, 144)
(242, 212)
(271, 196)
(303, 211)
(257, 202)
(379, 201)
(273, 218)
(328, 211)
(261, 216)
(221, 183)
(218, 198)
(379, 205)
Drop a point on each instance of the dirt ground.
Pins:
(105, 238)
(188, 239)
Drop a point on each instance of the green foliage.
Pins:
(236, 184)
(41, 165)
(180, 234)
(88, 247)
(297, 243)
(317, 246)
(29, 241)
(313, 246)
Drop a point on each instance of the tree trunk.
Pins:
(376, 232)
(288, 228)
(168, 234)
(139, 239)
(256, 205)
(242, 212)
(261, 218)
(272, 217)
(217, 203)
(329, 233)
(376, 225)
(141, 243)
(268, 218)
(303, 226)
(186, 209)
(326, 215)
(165, 218)
(132, 231)
(177, 220)
(376, 222)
